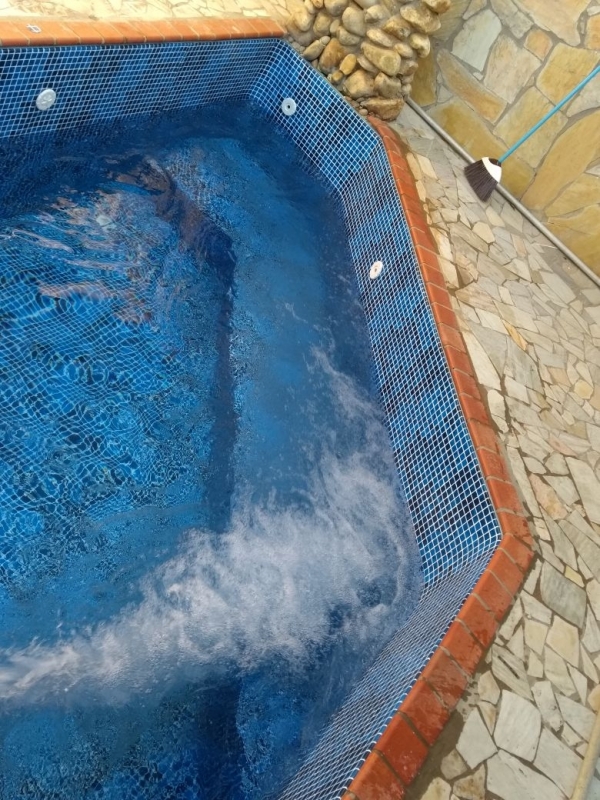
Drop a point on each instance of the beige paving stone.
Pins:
(563, 638)
(453, 765)
(535, 635)
(508, 778)
(475, 743)
(509, 625)
(509, 68)
(473, 42)
(488, 714)
(510, 670)
(570, 737)
(557, 761)
(557, 16)
(438, 790)
(547, 498)
(591, 635)
(488, 689)
(592, 33)
(588, 487)
(570, 155)
(565, 68)
(574, 576)
(546, 702)
(518, 726)
(564, 488)
(471, 787)
(522, 116)
(460, 81)
(578, 232)
(580, 718)
(583, 192)
(539, 43)
(557, 673)
(424, 88)
(589, 670)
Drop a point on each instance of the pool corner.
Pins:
(395, 760)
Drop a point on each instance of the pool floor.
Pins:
(203, 542)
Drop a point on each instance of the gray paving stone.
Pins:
(580, 718)
(588, 487)
(510, 670)
(518, 726)
(563, 596)
(475, 743)
(557, 762)
(546, 702)
(510, 779)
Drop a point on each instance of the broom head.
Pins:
(484, 176)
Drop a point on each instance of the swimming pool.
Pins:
(337, 168)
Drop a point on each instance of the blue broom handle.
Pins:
(551, 113)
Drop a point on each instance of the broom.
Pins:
(484, 175)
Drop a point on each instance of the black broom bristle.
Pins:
(480, 179)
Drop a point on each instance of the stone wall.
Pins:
(369, 49)
(495, 68)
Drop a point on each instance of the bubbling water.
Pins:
(281, 584)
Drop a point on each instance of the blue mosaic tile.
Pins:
(453, 517)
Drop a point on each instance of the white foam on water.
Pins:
(265, 589)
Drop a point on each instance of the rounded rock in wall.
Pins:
(337, 76)
(322, 24)
(421, 18)
(332, 56)
(310, 7)
(314, 50)
(404, 49)
(421, 44)
(380, 38)
(366, 3)
(388, 87)
(366, 64)
(376, 14)
(397, 27)
(336, 7)
(318, 4)
(386, 61)
(346, 38)
(349, 64)
(439, 6)
(363, 112)
(407, 67)
(359, 84)
(353, 20)
(302, 19)
(302, 37)
(384, 107)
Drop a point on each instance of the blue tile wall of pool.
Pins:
(453, 517)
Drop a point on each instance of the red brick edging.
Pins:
(399, 754)
(35, 31)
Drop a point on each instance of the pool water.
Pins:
(203, 542)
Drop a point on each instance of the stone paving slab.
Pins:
(531, 322)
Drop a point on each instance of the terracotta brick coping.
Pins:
(399, 754)
(34, 31)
